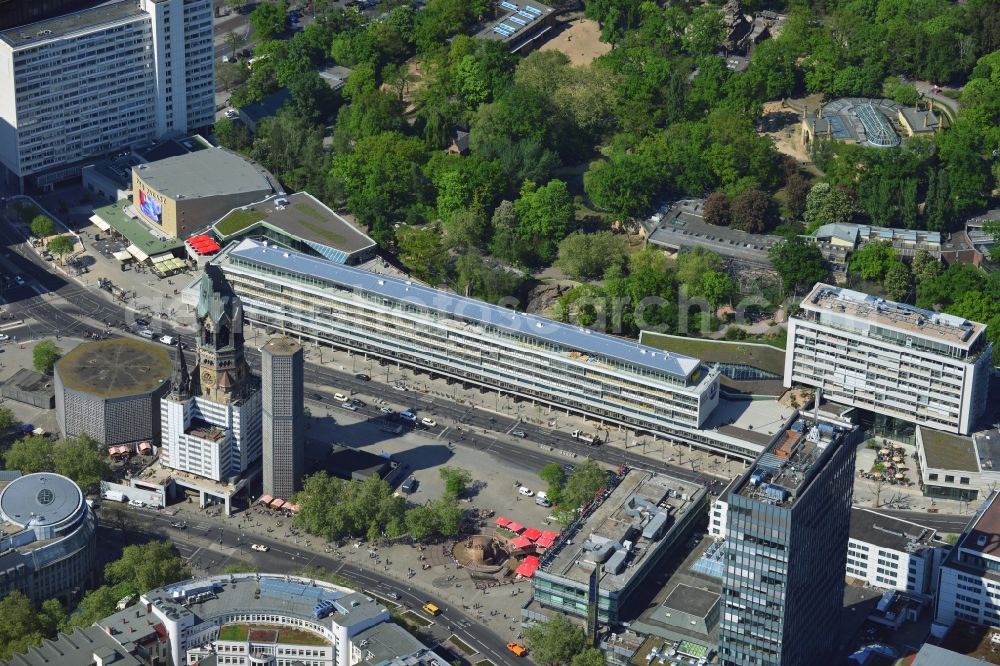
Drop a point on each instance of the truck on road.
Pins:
(588, 437)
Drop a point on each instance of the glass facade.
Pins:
(785, 563)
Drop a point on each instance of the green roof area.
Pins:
(943, 450)
(234, 632)
(756, 355)
(318, 219)
(267, 633)
(237, 221)
(136, 231)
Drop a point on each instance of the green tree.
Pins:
(486, 279)
(554, 475)
(582, 485)
(796, 192)
(61, 246)
(44, 356)
(231, 74)
(447, 516)
(97, 604)
(233, 41)
(421, 522)
(898, 281)
(7, 420)
(692, 266)
(873, 260)
(506, 243)
(827, 205)
(951, 284)
(147, 566)
(269, 19)
(717, 288)
(42, 226)
(82, 460)
(23, 625)
(455, 480)
(798, 263)
(588, 256)
(29, 455)
(555, 642)
(423, 253)
(925, 266)
(232, 135)
(466, 229)
(590, 656)
(545, 216)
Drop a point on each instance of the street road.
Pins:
(211, 546)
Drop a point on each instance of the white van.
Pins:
(340, 396)
(167, 340)
(146, 333)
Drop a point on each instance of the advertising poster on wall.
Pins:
(150, 207)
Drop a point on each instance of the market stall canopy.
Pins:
(99, 223)
(503, 522)
(521, 542)
(515, 526)
(532, 533)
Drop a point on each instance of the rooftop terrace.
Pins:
(125, 222)
(936, 326)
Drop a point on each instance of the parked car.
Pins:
(142, 323)
(146, 333)
(518, 433)
(4, 336)
(407, 415)
(316, 396)
(387, 410)
(430, 423)
(526, 491)
(349, 405)
(516, 649)
(399, 387)
(260, 548)
(339, 396)
(358, 403)
(362, 376)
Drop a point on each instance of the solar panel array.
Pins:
(518, 18)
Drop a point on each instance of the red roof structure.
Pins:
(550, 535)
(543, 542)
(528, 566)
(521, 542)
(532, 533)
(515, 527)
(503, 522)
(265, 499)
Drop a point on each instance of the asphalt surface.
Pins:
(211, 547)
(940, 522)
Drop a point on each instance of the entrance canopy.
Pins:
(99, 223)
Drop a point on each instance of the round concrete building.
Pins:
(111, 390)
(48, 549)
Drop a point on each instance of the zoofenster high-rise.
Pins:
(282, 367)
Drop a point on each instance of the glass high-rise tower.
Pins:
(786, 549)
(282, 369)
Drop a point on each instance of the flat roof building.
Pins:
(183, 194)
(111, 390)
(48, 536)
(786, 548)
(600, 376)
(298, 222)
(92, 82)
(969, 581)
(927, 368)
(519, 23)
(31, 388)
(893, 554)
(625, 537)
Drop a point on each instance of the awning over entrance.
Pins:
(137, 253)
(123, 255)
(99, 223)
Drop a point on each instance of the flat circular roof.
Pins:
(40, 499)
(115, 368)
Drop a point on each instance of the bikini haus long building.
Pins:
(601, 376)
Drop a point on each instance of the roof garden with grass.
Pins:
(267, 633)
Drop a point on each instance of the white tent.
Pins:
(137, 253)
(99, 223)
(122, 255)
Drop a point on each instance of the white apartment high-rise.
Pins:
(969, 579)
(92, 82)
(923, 367)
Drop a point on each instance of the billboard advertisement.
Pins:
(150, 207)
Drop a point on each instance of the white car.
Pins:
(408, 416)
(398, 387)
(349, 405)
(430, 423)
(4, 336)
(136, 503)
(526, 491)
(387, 410)
(260, 547)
